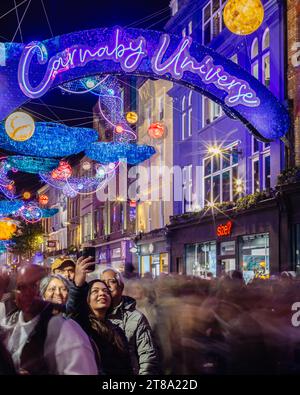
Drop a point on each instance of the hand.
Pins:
(81, 270)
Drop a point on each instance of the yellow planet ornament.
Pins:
(19, 126)
(243, 17)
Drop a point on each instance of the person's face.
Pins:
(56, 292)
(66, 271)
(100, 298)
(110, 280)
(26, 295)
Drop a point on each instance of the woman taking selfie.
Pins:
(88, 304)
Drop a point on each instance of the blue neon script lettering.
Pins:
(129, 56)
(239, 91)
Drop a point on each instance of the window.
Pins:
(220, 173)
(190, 28)
(161, 108)
(212, 20)
(255, 145)
(201, 259)
(254, 256)
(190, 113)
(211, 111)
(267, 172)
(260, 59)
(174, 6)
(255, 176)
(87, 227)
(234, 58)
(183, 118)
(148, 115)
(187, 188)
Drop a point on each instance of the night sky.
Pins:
(65, 16)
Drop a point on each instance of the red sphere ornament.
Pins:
(43, 200)
(156, 130)
(63, 171)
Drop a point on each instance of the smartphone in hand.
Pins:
(87, 252)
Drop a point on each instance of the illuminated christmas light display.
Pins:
(113, 152)
(156, 130)
(243, 17)
(49, 212)
(43, 200)
(30, 213)
(29, 164)
(10, 207)
(8, 228)
(63, 171)
(19, 126)
(51, 140)
(26, 195)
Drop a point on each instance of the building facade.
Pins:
(155, 205)
(221, 161)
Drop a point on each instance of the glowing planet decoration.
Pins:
(31, 213)
(26, 195)
(63, 171)
(43, 200)
(19, 126)
(243, 17)
(86, 166)
(156, 130)
(119, 129)
(7, 228)
(132, 117)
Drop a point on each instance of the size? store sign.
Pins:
(224, 229)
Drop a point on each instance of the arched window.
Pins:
(190, 113)
(183, 118)
(254, 48)
(266, 63)
(266, 39)
(254, 59)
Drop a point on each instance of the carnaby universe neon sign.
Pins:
(45, 65)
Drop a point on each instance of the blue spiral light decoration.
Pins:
(9, 207)
(49, 212)
(31, 164)
(51, 140)
(113, 152)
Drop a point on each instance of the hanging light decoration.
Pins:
(113, 152)
(30, 164)
(8, 228)
(26, 195)
(19, 126)
(243, 17)
(49, 212)
(31, 213)
(156, 130)
(63, 171)
(9, 207)
(50, 140)
(43, 200)
(132, 117)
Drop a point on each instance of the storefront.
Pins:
(153, 253)
(249, 241)
(115, 254)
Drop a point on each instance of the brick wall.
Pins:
(293, 20)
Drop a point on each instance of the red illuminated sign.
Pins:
(224, 229)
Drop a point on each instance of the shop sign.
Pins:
(224, 229)
(51, 243)
(31, 70)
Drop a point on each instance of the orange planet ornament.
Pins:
(62, 172)
(19, 126)
(156, 130)
(43, 200)
(7, 229)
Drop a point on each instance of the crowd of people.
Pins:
(61, 323)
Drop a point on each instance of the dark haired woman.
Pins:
(89, 304)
